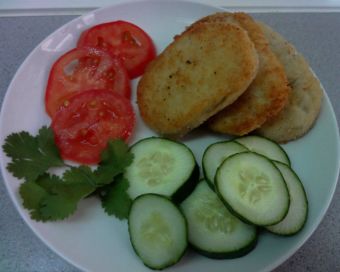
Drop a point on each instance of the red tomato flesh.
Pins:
(122, 39)
(84, 69)
(83, 127)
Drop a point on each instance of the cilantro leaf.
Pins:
(48, 147)
(82, 174)
(19, 145)
(115, 199)
(51, 198)
(31, 156)
(49, 183)
(64, 194)
(31, 194)
(72, 185)
(114, 159)
(57, 207)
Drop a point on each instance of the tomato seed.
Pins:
(92, 104)
(111, 75)
(83, 131)
(127, 37)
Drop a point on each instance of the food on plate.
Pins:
(85, 116)
(202, 71)
(264, 147)
(298, 208)
(219, 221)
(162, 166)
(221, 65)
(114, 197)
(213, 230)
(252, 187)
(84, 69)
(124, 40)
(50, 197)
(281, 102)
(215, 154)
(247, 177)
(158, 231)
(249, 190)
(268, 92)
(304, 104)
(83, 127)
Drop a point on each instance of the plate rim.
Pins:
(26, 219)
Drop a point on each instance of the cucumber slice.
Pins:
(213, 230)
(215, 154)
(162, 166)
(158, 231)
(264, 147)
(253, 188)
(298, 209)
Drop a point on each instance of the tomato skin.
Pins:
(124, 40)
(83, 127)
(83, 69)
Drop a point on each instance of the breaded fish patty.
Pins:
(202, 71)
(267, 94)
(305, 100)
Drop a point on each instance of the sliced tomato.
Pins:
(122, 39)
(83, 127)
(84, 69)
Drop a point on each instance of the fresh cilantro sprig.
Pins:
(114, 159)
(115, 200)
(31, 156)
(49, 197)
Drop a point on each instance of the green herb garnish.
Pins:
(50, 197)
(31, 156)
(115, 199)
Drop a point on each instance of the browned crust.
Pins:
(303, 108)
(202, 71)
(267, 94)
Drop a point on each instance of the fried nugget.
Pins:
(305, 100)
(267, 94)
(202, 71)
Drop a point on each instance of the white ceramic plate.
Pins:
(93, 241)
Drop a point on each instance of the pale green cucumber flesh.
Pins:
(252, 187)
(215, 154)
(265, 147)
(213, 230)
(161, 166)
(296, 217)
(158, 231)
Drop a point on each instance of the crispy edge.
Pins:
(246, 114)
(288, 124)
(209, 110)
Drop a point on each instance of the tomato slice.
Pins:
(122, 39)
(84, 69)
(83, 127)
